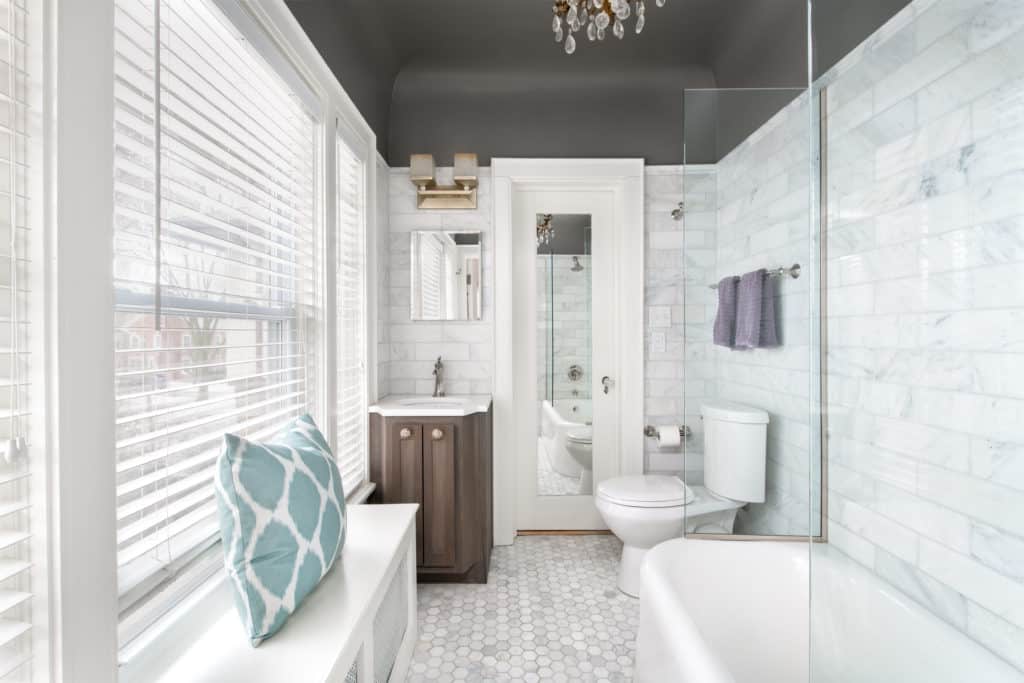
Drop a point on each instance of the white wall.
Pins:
(677, 253)
(466, 347)
(926, 303)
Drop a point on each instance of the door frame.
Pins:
(624, 180)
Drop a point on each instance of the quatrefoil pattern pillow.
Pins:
(282, 522)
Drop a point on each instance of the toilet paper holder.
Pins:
(684, 432)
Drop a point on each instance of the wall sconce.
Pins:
(430, 195)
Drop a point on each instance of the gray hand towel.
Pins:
(725, 319)
(769, 333)
(749, 307)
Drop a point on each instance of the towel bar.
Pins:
(793, 271)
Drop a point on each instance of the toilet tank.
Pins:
(735, 439)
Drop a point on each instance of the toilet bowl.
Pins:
(645, 510)
(578, 442)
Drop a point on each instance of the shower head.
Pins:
(677, 213)
(576, 265)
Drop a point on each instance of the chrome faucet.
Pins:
(438, 378)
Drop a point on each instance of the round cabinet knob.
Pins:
(437, 434)
(405, 433)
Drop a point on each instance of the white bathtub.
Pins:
(556, 420)
(738, 612)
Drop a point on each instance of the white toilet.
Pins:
(579, 443)
(645, 510)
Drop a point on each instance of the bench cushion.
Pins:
(282, 519)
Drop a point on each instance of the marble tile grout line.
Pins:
(550, 612)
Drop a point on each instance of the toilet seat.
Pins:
(584, 435)
(645, 491)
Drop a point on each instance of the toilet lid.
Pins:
(646, 490)
(582, 435)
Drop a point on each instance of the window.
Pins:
(429, 262)
(21, 461)
(215, 267)
(352, 447)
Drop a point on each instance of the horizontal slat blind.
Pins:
(215, 300)
(18, 83)
(352, 446)
(430, 261)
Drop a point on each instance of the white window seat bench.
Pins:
(358, 625)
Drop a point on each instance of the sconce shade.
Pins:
(430, 195)
(465, 169)
(421, 169)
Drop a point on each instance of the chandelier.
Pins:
(596, 16)
(545, 230)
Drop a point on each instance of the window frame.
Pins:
(149, 598)
(79, 300)
(346, 134)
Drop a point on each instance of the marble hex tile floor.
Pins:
(550, 612)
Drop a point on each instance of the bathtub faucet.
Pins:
(438, 378)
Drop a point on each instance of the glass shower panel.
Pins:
(751, 392)
(922, 578)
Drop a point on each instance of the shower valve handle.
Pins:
(608, 383)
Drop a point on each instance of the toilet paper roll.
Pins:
(668, 437)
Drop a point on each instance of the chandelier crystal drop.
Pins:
(595, 16)
(545, 230)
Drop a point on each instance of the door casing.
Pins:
(569, 183)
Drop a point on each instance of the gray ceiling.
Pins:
(486, 76)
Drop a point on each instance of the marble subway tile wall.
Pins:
(466, 347)
(677, 336)
(570, 321)
(926, 304)
(763, 196)
(383, 279)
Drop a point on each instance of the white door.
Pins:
(564, 341)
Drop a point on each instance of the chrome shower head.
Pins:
(677, 213)
(576, 265)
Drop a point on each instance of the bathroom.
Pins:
(555, 340)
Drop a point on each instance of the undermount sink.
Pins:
(430, 402)
(428, 406)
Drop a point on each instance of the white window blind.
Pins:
(351, 442)
(214, 273)
(19, 85)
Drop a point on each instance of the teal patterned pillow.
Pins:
(282, 522)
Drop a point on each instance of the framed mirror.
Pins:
(446, 275)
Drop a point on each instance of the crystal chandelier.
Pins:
(545, 230)
(595, 16)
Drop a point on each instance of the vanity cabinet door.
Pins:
(438, 496)
(408, 485)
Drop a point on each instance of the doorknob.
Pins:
(405, 433)
(437, 434)
(608, 383)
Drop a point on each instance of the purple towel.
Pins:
(725, 320)
(749, 309)
(769, 334)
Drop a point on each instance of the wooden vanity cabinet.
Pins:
(444, 464)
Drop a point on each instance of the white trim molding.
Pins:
(80, 222)
(624, 178)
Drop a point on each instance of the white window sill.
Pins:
(203, 639)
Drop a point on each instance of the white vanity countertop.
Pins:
(427, 406)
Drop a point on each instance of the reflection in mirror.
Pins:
(564, 374)
(445, 268)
